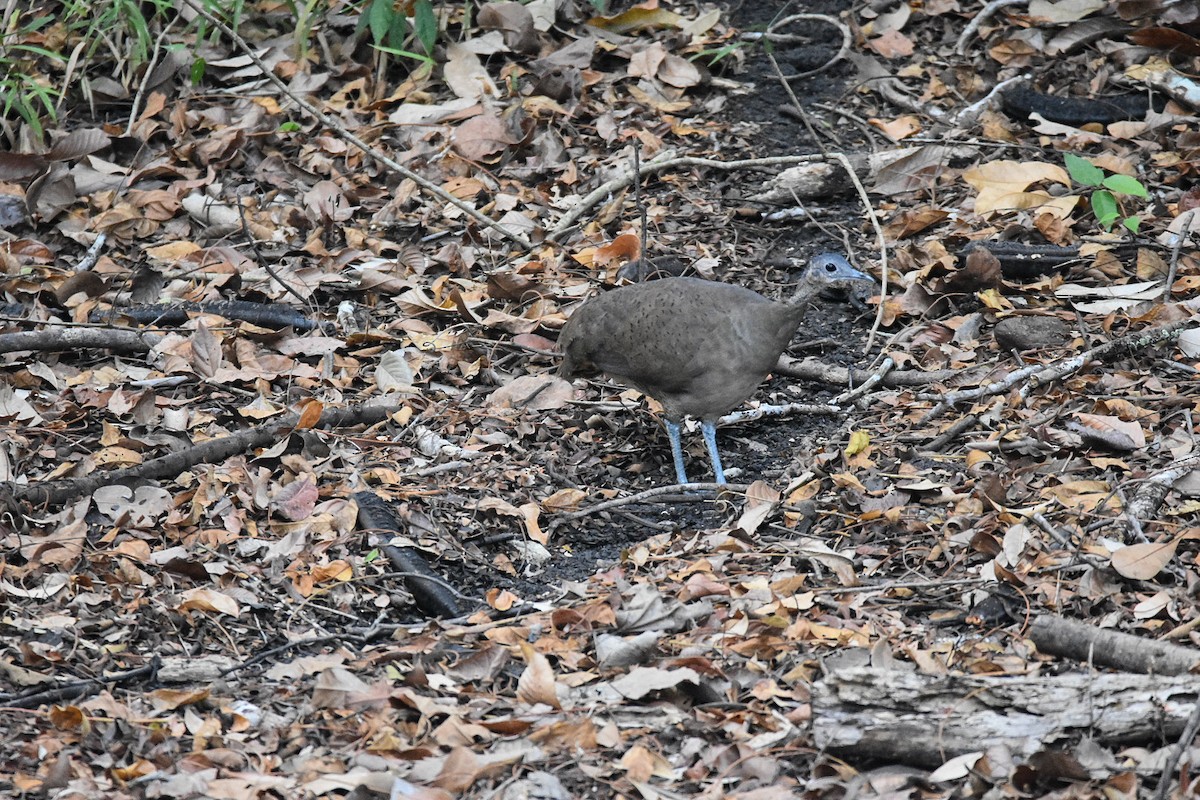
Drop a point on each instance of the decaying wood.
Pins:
(63, 339)
(213, 451)
(1068, 638)
(888, 715)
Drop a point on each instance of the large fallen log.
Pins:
(923, 720)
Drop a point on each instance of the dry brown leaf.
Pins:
(536, 684)
(1141, 562)
(761, 500)
(208, 600)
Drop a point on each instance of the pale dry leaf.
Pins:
(641, 764)
(140, 508)
(483, 136)
(465, 74)
(1064, 10)
(536, 684)
(1152, 606)
(15, 406)
(394, 374)
(617, 652)
(678, 72)
(1189, 342)
(541, 392)
(208, 600)
(761, 500)
(956, 768)
(206, 351)
(335, 687)
(1141, 562)
(641, 681)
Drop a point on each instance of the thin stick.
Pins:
(1179, 240)
(662, 162)
(983, 16)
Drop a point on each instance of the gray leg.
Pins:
(710, 440)
(676, 451)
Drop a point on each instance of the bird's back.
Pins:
(698, 347)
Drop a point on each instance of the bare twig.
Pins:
(1037, 375)
(1172, 762)
(960, 47)
(1175, 250)
(664, 161)
(883, 369)
(773, 35)
(785, 410)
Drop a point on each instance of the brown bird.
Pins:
(699, 347)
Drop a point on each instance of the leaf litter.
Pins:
(223, 626)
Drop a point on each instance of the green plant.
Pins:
(26, 94)
(391, 31)
(1105, 204)
(716, 55)
(123, 27)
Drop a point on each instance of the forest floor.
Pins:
(295, 504)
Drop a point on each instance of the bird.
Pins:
(698, 347)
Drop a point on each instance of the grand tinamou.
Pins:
(700, 348)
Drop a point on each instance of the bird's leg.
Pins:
(710, 441)
(676, 451)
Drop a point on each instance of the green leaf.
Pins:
(395, 51)
(199, 67)
(379, 19)
(1125, 185)
(1132, 223)
(1083, 171)
(289, 127)
(1104, 206)
(425, 24)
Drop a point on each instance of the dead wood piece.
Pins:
(429, 590)
(1031, 332)
(1021, 261)
(272, 315)
(1070, 638)
(84, 688)
(61, 339)
(1037, 375)
(57, 493)
(1022, 101)
(886, 715)
(812, 369)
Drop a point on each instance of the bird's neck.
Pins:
(805, 293)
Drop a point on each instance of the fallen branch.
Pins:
(960, 47)
(785, 410)
(60, 339)
(897, 716)
(649, 494)
(1036, 375)
(661, 163)
(57, 493)
(1068, 638)
(812, 369)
